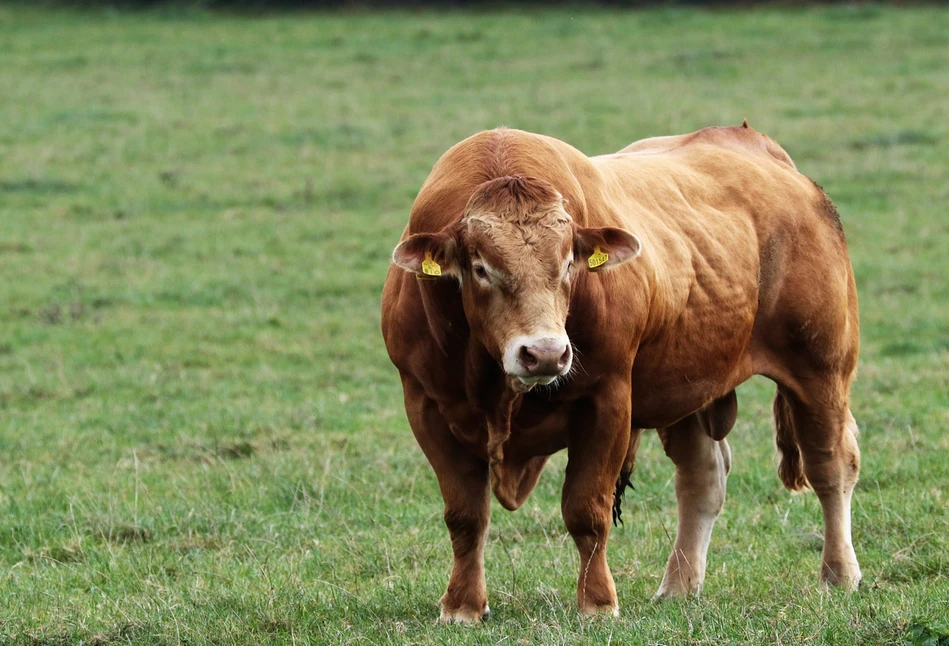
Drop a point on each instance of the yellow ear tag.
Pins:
(430, 267)
(597, 258)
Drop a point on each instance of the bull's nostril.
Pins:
(528, 360)
(564, 358)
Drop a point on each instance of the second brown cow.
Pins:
(542, 300)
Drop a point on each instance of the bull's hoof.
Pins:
(843, 575)
(677, 591)
(678, 586)
(463, 615)
(611, 610)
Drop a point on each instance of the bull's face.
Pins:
(517, 254)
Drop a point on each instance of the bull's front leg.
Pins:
(463, 480)
(597, 446)
(467, 512)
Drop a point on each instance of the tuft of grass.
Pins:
(920, 633)
(201, 438)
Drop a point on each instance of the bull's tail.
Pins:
(625, 475)
(791, 468)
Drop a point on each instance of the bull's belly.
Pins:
(670, 384)
(659, 408)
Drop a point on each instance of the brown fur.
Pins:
(742, 271)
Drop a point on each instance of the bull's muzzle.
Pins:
(537, 361)
(545, 357)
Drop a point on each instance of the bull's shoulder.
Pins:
(743, 139)
(422, 320)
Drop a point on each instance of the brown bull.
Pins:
(541, 300)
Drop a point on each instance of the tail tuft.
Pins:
(791, 468)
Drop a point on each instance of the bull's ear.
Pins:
(428, 254)
(605, 247)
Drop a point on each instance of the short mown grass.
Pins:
(201, 438)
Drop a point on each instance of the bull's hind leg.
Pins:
(825, 433)
(702, 466)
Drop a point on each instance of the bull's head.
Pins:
(516, 253)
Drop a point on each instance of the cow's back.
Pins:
(739, 138)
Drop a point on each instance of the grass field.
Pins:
(201, 438)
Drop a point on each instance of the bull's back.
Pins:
(741, 138)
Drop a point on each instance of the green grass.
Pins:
(201, 438)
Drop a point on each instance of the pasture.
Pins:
(202, 440)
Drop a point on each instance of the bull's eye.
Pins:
(480, 272)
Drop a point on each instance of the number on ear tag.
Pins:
(430, 267)
(597, 258)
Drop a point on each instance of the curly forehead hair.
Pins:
(518, 212)
(518, 200)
